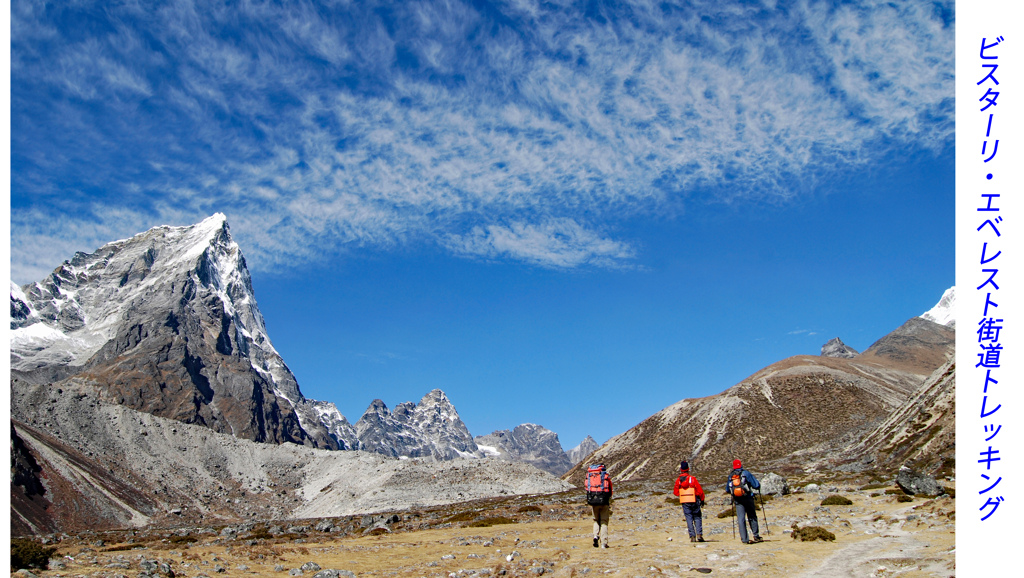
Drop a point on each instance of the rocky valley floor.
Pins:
(876, 536)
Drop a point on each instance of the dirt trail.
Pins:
(551, 535)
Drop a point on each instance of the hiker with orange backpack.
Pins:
(599, 496)
(740, 487)
(691, 496)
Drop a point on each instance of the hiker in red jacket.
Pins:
(691, 496)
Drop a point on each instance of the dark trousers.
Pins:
(601, 516)
(745, 509)
(694, 521)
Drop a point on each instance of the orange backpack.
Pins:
(738, 485)
(687, 495)
(599, 486)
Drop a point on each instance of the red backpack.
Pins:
(599, 486)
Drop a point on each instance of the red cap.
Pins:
(736, 464)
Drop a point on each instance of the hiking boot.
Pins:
(693, 539)
(757, 539)
(604, 545)
(595, 542)
(700, 537)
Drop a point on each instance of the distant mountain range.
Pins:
(167, 323)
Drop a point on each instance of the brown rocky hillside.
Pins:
(922, 432)
(798, 403)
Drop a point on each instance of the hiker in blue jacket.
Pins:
(741, 486)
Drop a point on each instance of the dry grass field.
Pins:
(876, 536)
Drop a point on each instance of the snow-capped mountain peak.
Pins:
(431, 428)
(944, 311)
(168, 322)
(81, 301)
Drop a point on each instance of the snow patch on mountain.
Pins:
(489, 451)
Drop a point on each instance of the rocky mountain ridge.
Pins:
(143, 376)
(528, 443)
(166, 323)
(827, 403)
(431, 428)
(922, 432)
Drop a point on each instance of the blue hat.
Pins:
(684, 466)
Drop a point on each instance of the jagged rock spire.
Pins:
(836, 348)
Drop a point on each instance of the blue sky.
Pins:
(572, 214)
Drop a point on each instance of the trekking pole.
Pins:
(764, 513)
(734, 518)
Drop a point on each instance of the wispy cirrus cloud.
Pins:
(560, 243)
(522, 131)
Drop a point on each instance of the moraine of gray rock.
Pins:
(774, 484)
(528, 443)
(133, 476)
(913, 482)
(836, 348)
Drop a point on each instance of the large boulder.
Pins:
(774, 484)
(913, 482)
